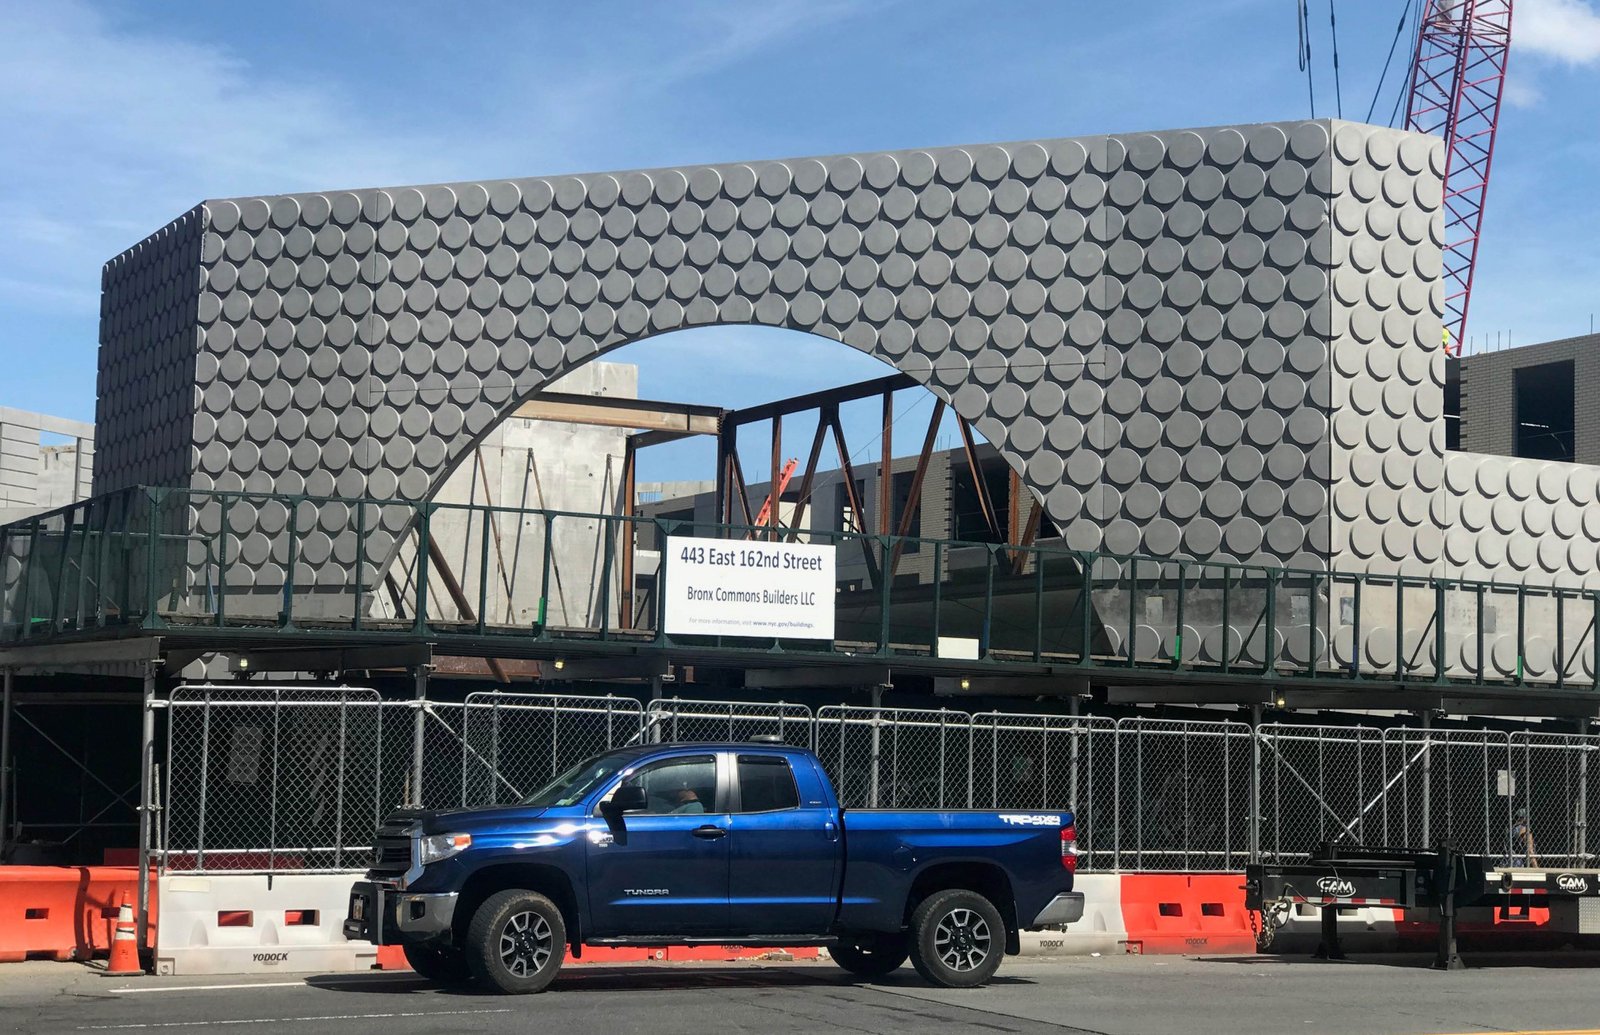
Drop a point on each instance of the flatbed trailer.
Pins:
(1441, 879)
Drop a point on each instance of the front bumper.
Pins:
(1065, 908)
(383, 915)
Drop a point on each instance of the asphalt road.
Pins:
(1107, 996)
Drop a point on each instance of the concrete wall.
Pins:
(34, 477)
(533, 465)
(1107, 310)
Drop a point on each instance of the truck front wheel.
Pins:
(957, 939)
(516, 942)
(871, 954)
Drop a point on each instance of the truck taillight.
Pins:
(1069, 847)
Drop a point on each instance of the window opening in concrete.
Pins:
(1544, 412)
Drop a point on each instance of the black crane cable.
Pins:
(1338, 91)
(1411, 65)
(1400, 27)
(1303, 54)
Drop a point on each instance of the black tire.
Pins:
(441, 964)
(957, 939)
(516, 942)
(871, 954)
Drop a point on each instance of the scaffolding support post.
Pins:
(6, 677)
(147, 751)
(419, 720)
(1255, 783)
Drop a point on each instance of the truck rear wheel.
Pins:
(871, 954)
(516, 942)
(443, 965)
(957, 939)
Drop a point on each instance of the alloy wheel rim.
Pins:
(962, 940)
(526, 944)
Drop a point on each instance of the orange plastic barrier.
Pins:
(63, 912)
(1174, 913)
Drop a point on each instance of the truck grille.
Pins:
(391, 855)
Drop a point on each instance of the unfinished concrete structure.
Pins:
(36, 475)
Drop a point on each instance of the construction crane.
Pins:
(1458, 74)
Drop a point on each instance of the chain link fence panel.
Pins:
(271, 778)
(1449, 787)
(1557, 790)
(1056, 762)
(513, 744)
(1183, 795)
(675, 720)
(1319, 784)
(298, 778)
(897, 758)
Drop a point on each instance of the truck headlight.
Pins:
(437, 847)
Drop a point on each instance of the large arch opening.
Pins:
(558, 514)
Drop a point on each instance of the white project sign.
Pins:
(721, 587)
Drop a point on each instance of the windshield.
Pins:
(573, 785)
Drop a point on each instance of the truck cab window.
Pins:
(678, 785)
(766, 784)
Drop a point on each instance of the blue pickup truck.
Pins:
(694, 844)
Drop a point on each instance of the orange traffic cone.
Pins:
(124, 944)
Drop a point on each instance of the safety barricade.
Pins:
(1101, 930)
(251, 923)
(62, 912)
(1175, 913)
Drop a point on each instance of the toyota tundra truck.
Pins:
(710, 844)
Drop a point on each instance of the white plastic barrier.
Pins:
(1101, 930)
(252, 923)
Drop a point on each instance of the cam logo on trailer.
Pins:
(1029, 820)
(1337, 887)
(1572, 883)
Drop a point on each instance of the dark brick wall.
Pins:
(1488, 395)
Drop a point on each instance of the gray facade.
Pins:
(1142, 324)
(1222, 344)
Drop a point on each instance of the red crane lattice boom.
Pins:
(1456, 83)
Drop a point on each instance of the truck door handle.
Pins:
(709, 832)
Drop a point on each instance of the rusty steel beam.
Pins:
(773, 495)
(849, 472)
(820, 400)
(914, 497)
(984, 502)
(886, 467)
(810, 475)
(638, 414)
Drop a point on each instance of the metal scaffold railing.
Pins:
(207, 565)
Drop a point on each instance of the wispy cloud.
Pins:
(1566, 30)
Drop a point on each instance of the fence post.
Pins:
(1425, 720)
(1580, 808)
(1074, 708)
(147, 747)
(418, 736)
(5, 759)
(1255, 783)
(877, 743)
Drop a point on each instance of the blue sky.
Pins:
(119, 115)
